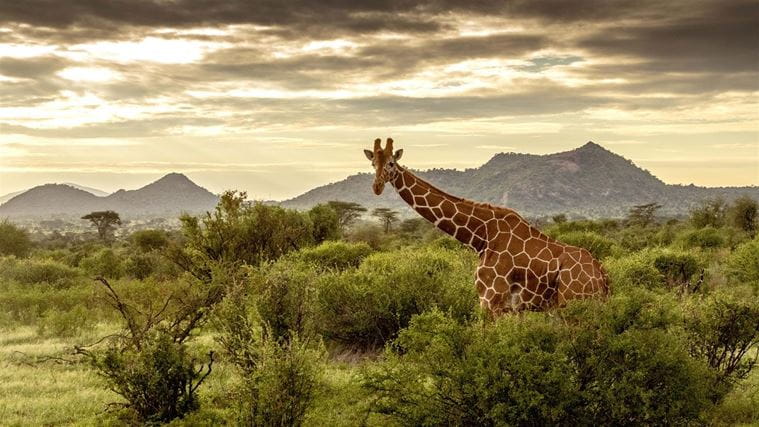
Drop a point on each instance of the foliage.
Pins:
(34, 271)
(65, 323)
(723, 330)
(335, 255)
(387, 217)
(104, 221)
(238, 232)
(14, 240)
(159, 381)
(104, 262)
(347, 212)
(633, 271)
(643, 215)
(279, 377)
(743, 263)
(710, 213)
(599, 246)
(744, 214)
(559, 219)
(326, 223)
(678, 268)
(367, 233)
(149, 240)
(368, 306)
(707, 237)
(598, 364)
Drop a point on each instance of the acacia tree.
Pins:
(386, 216)
(347, 212)
(744, 214)
(105, 221)
(643, 215)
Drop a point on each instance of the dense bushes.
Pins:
(743, 263)
(599, 246)
(655, 268)
(598, 364)
(34, 271)
(368, 306)
(337, 255)
(707, 238)
(13, 240)
(159, 381)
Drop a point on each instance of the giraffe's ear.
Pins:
(398, 154)
(369, 154)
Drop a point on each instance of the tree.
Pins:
(13, 240)
(743, 214)
(386, 216)
(347, 212)
(643, 215)
(105, 221)
(148, 240)
(711, 212)
(326, 223)
(559, 219)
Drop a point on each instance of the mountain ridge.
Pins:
(589, 180)
(171, 194)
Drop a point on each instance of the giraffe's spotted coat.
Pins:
(520, 267)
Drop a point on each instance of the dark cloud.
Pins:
(31, 67)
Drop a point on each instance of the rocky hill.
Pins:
(170, 195)
(589, 181)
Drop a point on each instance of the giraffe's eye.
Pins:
(391, 163)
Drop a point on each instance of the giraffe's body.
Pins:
(520, 268)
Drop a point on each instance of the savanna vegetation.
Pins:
(258, 315)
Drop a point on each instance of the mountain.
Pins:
(590, 181)
(170, 195)
(90, 190)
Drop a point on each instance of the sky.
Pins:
(277, 97)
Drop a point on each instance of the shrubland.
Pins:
(257, 315)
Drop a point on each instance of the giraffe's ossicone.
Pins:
(520, 267)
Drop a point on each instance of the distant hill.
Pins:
(590, 181)
(94, 191)
(170, 195)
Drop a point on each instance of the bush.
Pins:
(599, 246)
(139, 266)
(743, 263)
(65, 323)
(103, 263)
(722, 331)
(598, 364)
(326, 224)
(37, 271)
(633, 271)
(335, 255)
(368, 306)
(707, 238)
(371, 234)
(678, 268)
(149, 240)
(279, 376)
(14, 240)
(158, 381)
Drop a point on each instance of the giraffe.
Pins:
(520, 268)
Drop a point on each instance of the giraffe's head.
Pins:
(385, 163)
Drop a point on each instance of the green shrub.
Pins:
(158, 381)
(65, 323)
(326, 223)
(284, 294)
(37, 271)
(633, 271)
(621, 363)
(371, 234)
(139, 266)
(678, 268)
(103, 263)
(336, 255)
(279, 376)
(599, 246)
(743, 263)
(149, 240)
(707, 238)
(13, 240)
(368, 306)
(723, 331)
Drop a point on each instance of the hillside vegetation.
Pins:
(260, 315)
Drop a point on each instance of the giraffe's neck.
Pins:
(439, 208)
